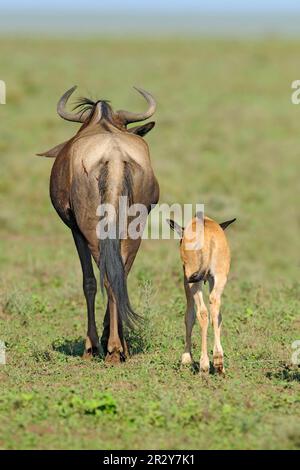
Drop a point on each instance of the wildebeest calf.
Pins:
(205, 255)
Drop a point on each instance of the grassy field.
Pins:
(227, 135)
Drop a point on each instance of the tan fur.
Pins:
(215, 254)
(212, 260)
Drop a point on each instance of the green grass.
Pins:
(227, 135)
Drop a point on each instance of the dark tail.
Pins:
(225, 224)
(111, 265)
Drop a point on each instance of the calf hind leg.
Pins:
(202, 316)
(216, 289)
(189, 320)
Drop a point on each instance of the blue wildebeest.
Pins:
(103, 161)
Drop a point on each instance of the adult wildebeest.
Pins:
(103, 161)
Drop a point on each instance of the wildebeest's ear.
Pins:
(142, 130)
(52, 153)
(228, 222)
(175, 226)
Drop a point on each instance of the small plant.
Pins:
(155, 416)
(100, 404)
(23, 400)
(141, 338)
(40, 355)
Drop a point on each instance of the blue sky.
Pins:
(156, 5)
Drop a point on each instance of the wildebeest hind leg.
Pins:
(129, 249)
(89, 289)
(115, 351)
(105, 334)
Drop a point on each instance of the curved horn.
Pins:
(129, 117)
(74, 117)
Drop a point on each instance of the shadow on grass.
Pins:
(137, 344)
(194, 368)
(286, 373)
(74, 347)
(69, 347)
